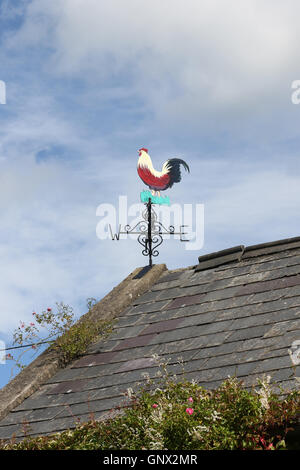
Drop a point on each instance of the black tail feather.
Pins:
(173, 166)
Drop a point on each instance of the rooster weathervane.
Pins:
(159, 180)
(150, 230)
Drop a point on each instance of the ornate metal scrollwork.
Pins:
(149, 231)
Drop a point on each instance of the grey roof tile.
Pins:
(264, 286)
(265, 318)
(243, 370)
(199, 319)
(150, 296)
(134, 364)
(129, 332)
(283, 375)
(43, 414)
(222, 257)
(94, 359)
(6, 432)
(282, 304)
(97, 371)
(92, 406)
(174, 275)
(211, 375)
(148, 307)
(102, 347)
(287, 385)
(122, 378)
(185, 301)
(165, 325)
(247, 333)
(35, 402)
(136, 319)
(111, 391)
(167, 285)
(281, 328)
(69, 386)
(134, 342)
(66, 374)
(55, 400)
(271, 247)
(246, 279)
(276, 363)
(55, 425)
(16, 417)
(175, 292)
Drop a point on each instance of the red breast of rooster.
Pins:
(159, 180)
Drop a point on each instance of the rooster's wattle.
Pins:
(159, 180)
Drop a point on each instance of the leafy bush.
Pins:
(185, 416)
(58, 328)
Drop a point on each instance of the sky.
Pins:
(88, 83)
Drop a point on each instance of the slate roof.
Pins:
(237, 312)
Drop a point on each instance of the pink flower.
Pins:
(33, 346)
(49, 309)
(31, 324)
(270, 447)
(22, 325)
(155, 405)
(33, 313)
(190, 411)
(263, 442)
(190, 400)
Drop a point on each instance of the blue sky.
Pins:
(89, 83)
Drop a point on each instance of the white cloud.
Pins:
(185, 60)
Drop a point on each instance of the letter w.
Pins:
(115, 236)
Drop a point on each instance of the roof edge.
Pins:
(218, 254)
(241, 252)
(47, 364)
(277, 243)
(212, 260)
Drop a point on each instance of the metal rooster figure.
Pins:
(150, 230)
(159, 180)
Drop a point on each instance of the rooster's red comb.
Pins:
(145, 150)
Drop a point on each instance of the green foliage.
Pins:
(48, 322)
(185, 416)
(60, 330)
(79, 336)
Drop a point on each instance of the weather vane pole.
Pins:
(150, 230)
